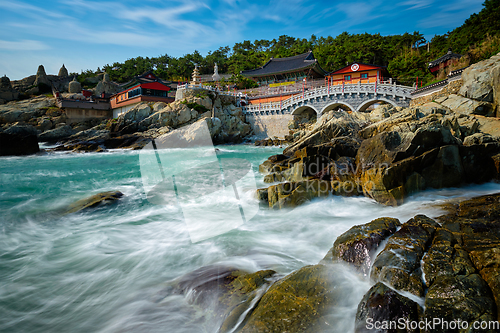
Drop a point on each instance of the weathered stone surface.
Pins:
(290, 195)
(399, 262)
(7, 93)
(467, 106)
(464, 297)
(41, 77)
(74, 87)
(382, 304)
(480, 81)
(59, 133)
(475, 224)
(358, 245)
(445, 257)
(478, 163)
(93, 201)
(480, 138)
(19, 140)
(239, 294)
(44, 124)
(300, 302)
(63, 72)
(225, 292)
(340, 125)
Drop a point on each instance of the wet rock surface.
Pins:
(382, 304)
(399, 262)
(93, 201)
(412, 150)
(358, 245)
(300, 302)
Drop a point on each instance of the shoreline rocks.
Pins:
(446, 268)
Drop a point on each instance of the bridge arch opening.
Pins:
(304, 115)
(370, 104)
(337, 107)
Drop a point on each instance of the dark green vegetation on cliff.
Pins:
(405, 55)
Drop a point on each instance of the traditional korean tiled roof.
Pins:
(286, 65)
(446, 57)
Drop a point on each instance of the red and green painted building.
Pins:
(145, 88)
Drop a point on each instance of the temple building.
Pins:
(443, 62)
(287, 70)
(358, 73)
(144, 88)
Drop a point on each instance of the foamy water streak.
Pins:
(106, 270)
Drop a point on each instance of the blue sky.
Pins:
(86, 34)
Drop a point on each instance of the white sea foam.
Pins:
(105, 270)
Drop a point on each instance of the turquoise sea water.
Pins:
(105, 270)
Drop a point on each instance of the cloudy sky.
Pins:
(86, 34)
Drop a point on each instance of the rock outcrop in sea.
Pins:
(392, 153)
(424, 269)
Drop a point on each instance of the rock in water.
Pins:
(357, 245)
(19, 140)
(56, 134)
(399, 263)
(93, 201)
(300, 302)
(382, 304)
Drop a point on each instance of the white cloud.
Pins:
(451, 14)
(29, 10)
(23, 45)
(417, 4)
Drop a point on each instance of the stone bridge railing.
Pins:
(367, 90)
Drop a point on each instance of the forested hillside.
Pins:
(406, 55)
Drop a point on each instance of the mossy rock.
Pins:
(239, 295)
(300, 302)
(357, 245)
(94, 201)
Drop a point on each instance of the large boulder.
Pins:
(481, 81)
(381, 307)
(293, 194)
(467, 106)
(358, 245)
(328, 127)
(7, 93)
(93, 201)
(303, 301)
(57, 134)
(19, 139)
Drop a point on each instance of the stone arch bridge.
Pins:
(271, 119)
